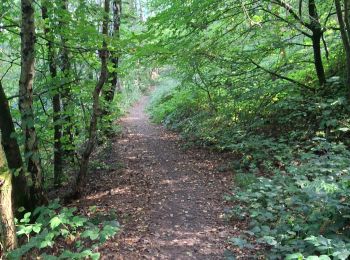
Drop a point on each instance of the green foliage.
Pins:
(242, 77)
(302, 208)
(292, 188)
(248, 85)
(164, 91)
(56, 224)
(78, 29)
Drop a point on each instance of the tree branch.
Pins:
(293, 13)
(281, 76)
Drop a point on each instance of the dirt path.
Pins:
(168, 200)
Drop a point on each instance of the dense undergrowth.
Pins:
(63, 233)
(267, 81)
(292, 173)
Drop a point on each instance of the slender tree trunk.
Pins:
(141, 11)
(133, 6)
(7, 227)
(133, 10)
(56, 103)
(13, 155)
(103, 53)
(345, 36)
(26, 101)
(109, 91)
(316, 45)
(66, 93)
(316, 42)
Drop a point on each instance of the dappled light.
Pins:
(168, 206)
(175, 129)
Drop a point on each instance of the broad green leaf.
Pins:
(55, 222)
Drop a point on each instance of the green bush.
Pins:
(292, 188)
(53, 224)
(303, 210)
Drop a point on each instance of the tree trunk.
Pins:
(103, 53)
(316, 42)
(66, 93)
(13, 155)
(133, 6)
(316, 45)
(109, 91)
(26, 101)
(7, 227)
(141, 11)
(56, 103)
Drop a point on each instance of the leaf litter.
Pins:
(168, 200)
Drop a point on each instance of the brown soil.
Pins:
(168, 200)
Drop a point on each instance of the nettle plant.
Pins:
(301, 212)
(54, 224)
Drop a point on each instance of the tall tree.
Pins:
(31, 148)
(317, 34)
(65, 66)
(109, 92)
(104, 55)
(56, 99)
(110, 89)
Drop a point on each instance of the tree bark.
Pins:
(31, 149)
(7, 227)
(56, 102)
(13, 155)
(109, 92)
(103, 53)
(316, 45)
(317, 33)
(65, 67)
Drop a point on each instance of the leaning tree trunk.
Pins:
(13, 155)
(31, 149)
(7, 227)
(316, 42)
(82, 174)
(56, 103)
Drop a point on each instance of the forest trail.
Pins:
(169, 200)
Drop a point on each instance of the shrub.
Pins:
(303, 209)
(54, 225)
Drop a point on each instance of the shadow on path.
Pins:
(169, 200)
